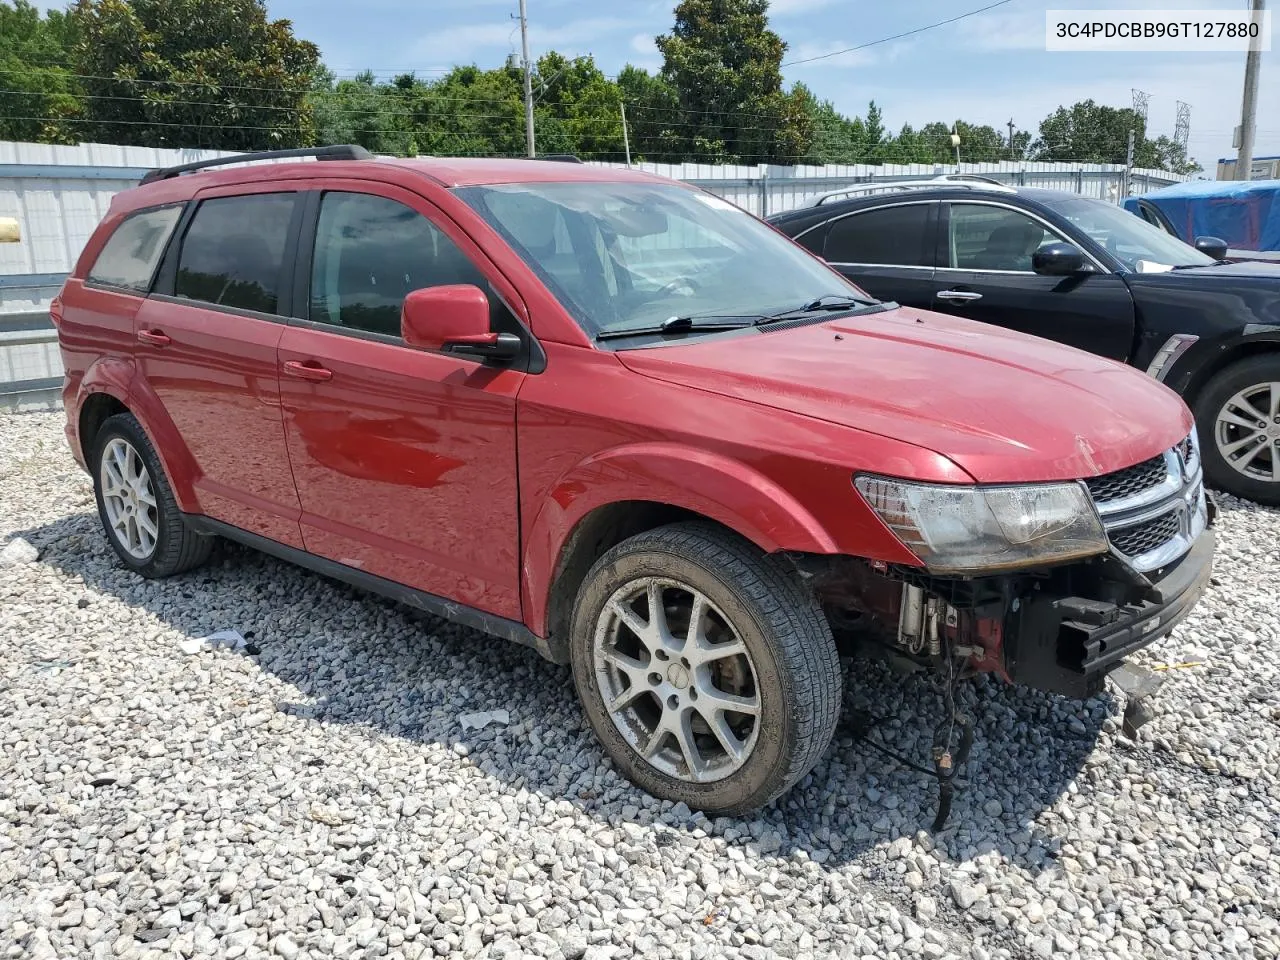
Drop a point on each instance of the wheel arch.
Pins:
(613, 496)
(110, 387)
(1243, 349)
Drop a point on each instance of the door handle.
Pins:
(307, 370)
(958, 296)
(153, 337)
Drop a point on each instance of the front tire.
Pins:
(705, 667)
(139, 512)
(1238, 419)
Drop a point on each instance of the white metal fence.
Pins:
(59, 193)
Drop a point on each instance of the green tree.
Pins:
(192, 73)
(362, 111)
(469, 112)
(40, 100)
(653, 116)
(1088, 131)
(1094, 132)
(1163, 153)
(725, 65)
(576, 109)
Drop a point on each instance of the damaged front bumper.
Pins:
(1061, 629)
(1068, 644)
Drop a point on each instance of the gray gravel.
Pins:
(315, 793)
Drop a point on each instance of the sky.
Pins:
(988, 68)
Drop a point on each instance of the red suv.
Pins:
(620, 420)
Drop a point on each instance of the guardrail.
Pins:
(20, 332)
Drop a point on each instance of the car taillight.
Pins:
(55, 311)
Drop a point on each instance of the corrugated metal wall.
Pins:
(59, 193)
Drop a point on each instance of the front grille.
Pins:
(1145, 537)
(1154, 510)
(1129, 481)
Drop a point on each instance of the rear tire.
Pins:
(742, 706)
(1238, 454)
(139, 512)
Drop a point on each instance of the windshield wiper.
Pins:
(685, 324)
(830, 302)
(835, 301)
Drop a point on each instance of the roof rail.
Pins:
(342, 152)
(958, 180)
(559, 157)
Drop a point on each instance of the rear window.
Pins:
(130, 255)
(232, 252)
(888, 235)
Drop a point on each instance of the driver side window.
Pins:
(985, 237)
(370, 252)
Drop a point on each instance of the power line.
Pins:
(899, 36)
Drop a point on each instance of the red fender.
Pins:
(117, 377)
(715, 486)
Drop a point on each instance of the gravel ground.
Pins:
(315, 794)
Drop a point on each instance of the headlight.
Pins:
(982, 529)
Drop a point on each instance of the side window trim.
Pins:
(945, 235)
(159, 267)
(165, 283)
(535, 358)
(931, 217)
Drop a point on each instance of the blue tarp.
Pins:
(1246, 214)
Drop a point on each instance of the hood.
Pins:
(1258, 270)
(1004, 406)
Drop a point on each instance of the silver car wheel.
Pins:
(129, 499)
(677, 680)
(1247, 432)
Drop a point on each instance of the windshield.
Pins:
(1137, 244)
(623, 255)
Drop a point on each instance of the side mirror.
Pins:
(1058, 260)
(454, 319)
(1212, 247)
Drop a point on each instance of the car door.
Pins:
(206, 346)
(1155, 216)
(405, 460)
(887, 250)
(985, 274)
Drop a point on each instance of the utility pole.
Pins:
(626, 140)
(1011, 157)
(1249, 108)
(528, 81)
(1127, 185)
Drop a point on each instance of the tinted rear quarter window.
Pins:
(129, 257)
(232, 253)
(887, 235)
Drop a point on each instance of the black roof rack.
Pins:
(560, 157)
(343, 152)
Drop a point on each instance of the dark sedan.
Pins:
(1086, 273)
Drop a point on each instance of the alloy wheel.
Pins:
(677, 680)
(1247, 432)
(129, 498)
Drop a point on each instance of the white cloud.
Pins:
(788, 8)
(643, 43)
(880, 54)
(459, 44)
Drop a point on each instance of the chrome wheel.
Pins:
(1247, 432)
(677, 680)
(129, 498)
